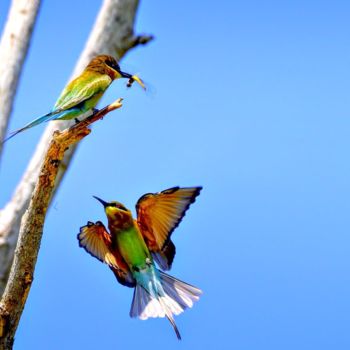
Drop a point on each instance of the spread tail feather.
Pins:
(172, 299)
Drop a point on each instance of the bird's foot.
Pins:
(95, 111)
(77, 121)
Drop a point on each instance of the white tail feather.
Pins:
(172, 299)
(181, 292)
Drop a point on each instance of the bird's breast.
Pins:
(132, 248)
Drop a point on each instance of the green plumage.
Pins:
(83, 93)
(132, 247)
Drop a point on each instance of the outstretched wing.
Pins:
(95, 239)
(158, 214)
(81, 89)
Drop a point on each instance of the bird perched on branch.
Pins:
(131, 248)
(83, 93)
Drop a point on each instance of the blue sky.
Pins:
(251, 102)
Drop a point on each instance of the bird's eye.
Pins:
(122, 207)
(114, 65)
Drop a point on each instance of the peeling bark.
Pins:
(21, 276)
(112, 34)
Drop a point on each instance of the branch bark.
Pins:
(21, 276)
(112, 34)
(14, 46)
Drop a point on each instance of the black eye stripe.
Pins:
(113, 65)
(119, 206)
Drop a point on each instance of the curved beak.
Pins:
(125, 75)
(105, 204)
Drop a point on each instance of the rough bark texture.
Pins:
(14, 46)
(21, 276)
(112, 34)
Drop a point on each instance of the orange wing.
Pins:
(158, 214)
(95, 239)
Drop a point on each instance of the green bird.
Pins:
(132, 247)
(83, 93)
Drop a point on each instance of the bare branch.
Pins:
(21, 276)
(112, 34)
(138, 40)
(14, 46)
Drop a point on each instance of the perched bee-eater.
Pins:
(131, 248)
(82, 93)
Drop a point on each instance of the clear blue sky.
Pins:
(252, 103)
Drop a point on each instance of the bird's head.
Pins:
(106, 64)
(118, 215)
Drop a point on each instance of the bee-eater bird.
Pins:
(83, 93)
(131, 248)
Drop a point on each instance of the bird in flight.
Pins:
(133, 247)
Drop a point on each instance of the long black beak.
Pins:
(125, 75)
(105, 204)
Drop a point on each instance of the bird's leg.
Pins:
(77, 121)
(94, 111)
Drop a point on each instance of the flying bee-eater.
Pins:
(83, 93)
(133, 246)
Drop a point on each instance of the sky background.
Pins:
(251, 101)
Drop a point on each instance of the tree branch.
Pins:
(112, 34)
(13, 50)
(21, 276)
